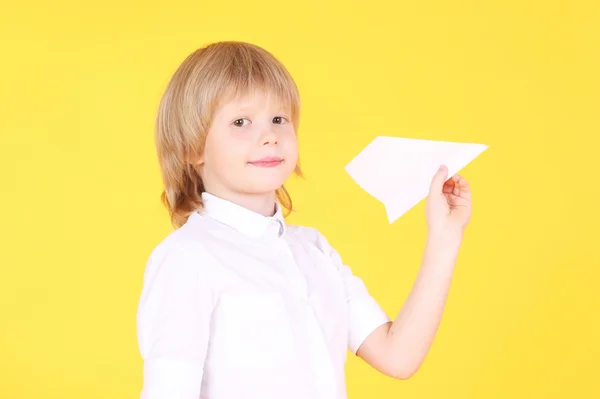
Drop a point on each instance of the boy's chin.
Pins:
(265, 188)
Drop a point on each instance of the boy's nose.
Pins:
(269, 137)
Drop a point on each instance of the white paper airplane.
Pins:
(398, 171)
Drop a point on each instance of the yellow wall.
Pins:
(79, 193)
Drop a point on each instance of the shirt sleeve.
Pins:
(173, 322)
(364, 313)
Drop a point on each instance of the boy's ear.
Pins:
(195, 159)
(198, 160)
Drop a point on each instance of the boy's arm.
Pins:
(398, 349)
(173, 324)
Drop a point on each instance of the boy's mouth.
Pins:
(267, 162)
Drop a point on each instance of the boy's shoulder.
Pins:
(309, 234)
(303, 232)
(313, 237)
(185, 241)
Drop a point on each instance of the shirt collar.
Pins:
(242, 219)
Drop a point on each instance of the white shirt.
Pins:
(238, 305)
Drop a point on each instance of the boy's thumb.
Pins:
(437, 183)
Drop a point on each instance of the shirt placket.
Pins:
(317, 351)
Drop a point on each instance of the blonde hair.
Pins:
(207, 77)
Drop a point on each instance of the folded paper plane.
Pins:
(398, 171)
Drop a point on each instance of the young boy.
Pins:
(238, 304)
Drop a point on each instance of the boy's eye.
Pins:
(240, 122)
(278, 119)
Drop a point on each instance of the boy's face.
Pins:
(251, 148)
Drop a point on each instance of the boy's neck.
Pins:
(263, 204)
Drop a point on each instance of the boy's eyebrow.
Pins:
(278, 109)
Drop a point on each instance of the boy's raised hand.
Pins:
(448, 204)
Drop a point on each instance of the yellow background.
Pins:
(80, 184)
